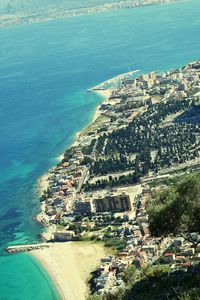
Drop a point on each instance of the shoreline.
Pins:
(44, 256)
(69, 266)
(106, 95)
(100, 86)
(42, 182)
(34, 17)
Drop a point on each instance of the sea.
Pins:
(45, 71)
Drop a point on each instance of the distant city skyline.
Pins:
(15, 6)
(15, 12)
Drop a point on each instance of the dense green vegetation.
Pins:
(158, 283)
(129, 275)
(131, 105)
(115, 243)
(69, 154)
(112, 182)
(112, 165)
(87, 150)
(147, 143)
(176, 210)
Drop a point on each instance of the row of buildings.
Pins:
(141, 249)
(113, 215)
(65, 183)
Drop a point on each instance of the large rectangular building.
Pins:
(64, 235)
(82, 207)
(113, 202)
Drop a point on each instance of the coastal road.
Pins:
(83, 179)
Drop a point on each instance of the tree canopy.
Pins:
(176, 210)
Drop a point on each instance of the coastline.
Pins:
(54, 259)
(106, 95)
(42, 182)
(69, 266)
(51, 105)
(63, 13)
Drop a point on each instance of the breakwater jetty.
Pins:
(113, 81)
(26, 248)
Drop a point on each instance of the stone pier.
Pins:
(26, 248)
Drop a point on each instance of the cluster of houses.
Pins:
(132, 96)
(63, 181)
(62, 198)
(174, 83)
(141, 249)
(66, 180)
(65, 193)
(120, 216)
(181, 254)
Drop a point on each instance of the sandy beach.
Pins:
(104, 93)
(43, 183)
(69, 265)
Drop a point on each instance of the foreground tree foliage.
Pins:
(158, 283)
(130, 275)
(176, 210)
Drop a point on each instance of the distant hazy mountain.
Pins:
(15, 6)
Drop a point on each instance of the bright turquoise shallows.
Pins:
(45, 70)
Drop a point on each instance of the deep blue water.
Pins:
(45, 70)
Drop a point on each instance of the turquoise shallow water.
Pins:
(45, 70)
(27, 280)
